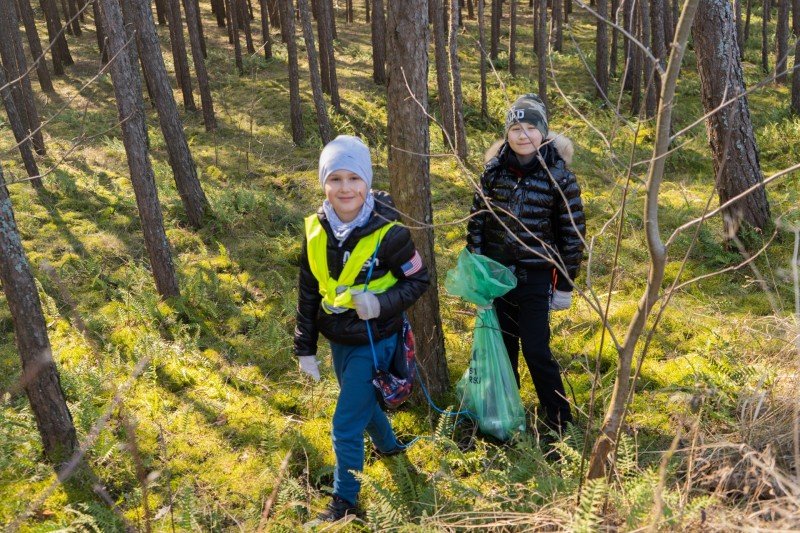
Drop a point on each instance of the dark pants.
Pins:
(524, 315)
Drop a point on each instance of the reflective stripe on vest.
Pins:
(336, 292)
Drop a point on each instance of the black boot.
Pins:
(337, 509)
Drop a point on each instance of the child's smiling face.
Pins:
(524, 139)
(346, 192)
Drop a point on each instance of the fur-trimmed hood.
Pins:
(562, 144)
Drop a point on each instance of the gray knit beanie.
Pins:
(528, 108)
(345, 152)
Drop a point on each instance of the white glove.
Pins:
(561, 300)
(309, 365)
(367, 304)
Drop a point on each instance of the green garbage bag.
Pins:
(488, 388)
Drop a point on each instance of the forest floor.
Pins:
(221, 403)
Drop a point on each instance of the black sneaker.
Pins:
(397, 450)
(338, 508)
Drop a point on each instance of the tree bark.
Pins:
(179, 54)
(14, 61)
(541, 60)
(39, 373)
(612, 57)
(651, 98)
(195, 40)
(274, 13)
(495, 30)
(782, 42)
(244, 19)
(325, 130)
(629, 23)
(669, 27)
(367, 11)
(99, 33)
(795, 105)
(233, 34)
(161, 12)
(218, 8)
(20, 132)
(482, 54)
(287, 28)
(558, 22)
(470, 10)
(378, 43)
(200, 32)
(73, 15)
(601, 50)
(730, 131)
(512, 40)
(458, 100)
(325, 28)
(35, 44)
(409, 171)
(266, 37)
(60, 48)
(444, 95)
(764, 37)
(180, 158)
(737, 13)
(658, 47)
(637, 60)
(747, 23)
(129, 106)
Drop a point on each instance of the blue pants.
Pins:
(357, 409)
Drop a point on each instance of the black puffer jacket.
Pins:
(396, 249)
(529, 204)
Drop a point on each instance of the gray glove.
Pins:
(309, 365)
(367, 304)
(561, 300)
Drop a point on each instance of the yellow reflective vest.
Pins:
(336, 292)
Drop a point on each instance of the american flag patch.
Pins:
(412, 266)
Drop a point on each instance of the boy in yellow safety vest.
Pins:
(339, 247)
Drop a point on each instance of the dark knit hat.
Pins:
(528, 108)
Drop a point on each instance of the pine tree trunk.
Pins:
(629, 23)
(636, 62)
(795, 105)
(612, 57)
(737, 13)
(99, 33)
(482, 54)
(14, 61)
(161, 12)
(179, 54)
(470, 10)
(378, 43)
(266, 37)
(54, 32)
(20, 132)
(129, 106)
(32, 33)
(73, 15)
(325, 130)
(409, 170)
(218, 7)
(200, 32)
(658, 48)
(458, 99)
(730, 131)
(558, 22)
(444, 95)
(287, 28)
(325, 28)
(244, 19)
(274, 13)
(669, 26)
(495, 30)
(195, 40)
(747, 23)
(39, 373)
(512, 40)
(366, 11)
(764, 37)
(233, 30)
(180, 158)
(601, 50)
(651, 101)
(541, 60)
(782, 42)
(319, 13)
